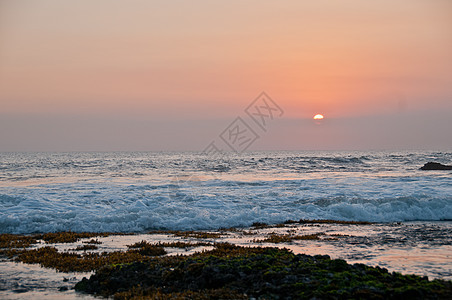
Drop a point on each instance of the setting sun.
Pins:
(318, 117)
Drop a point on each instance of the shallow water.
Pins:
(422, 248)
(24, 281)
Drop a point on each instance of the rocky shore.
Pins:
(260, 262)
(232, 272)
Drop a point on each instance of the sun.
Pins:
(318, 117)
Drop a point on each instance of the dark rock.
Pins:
(435, 166)
(233, 272)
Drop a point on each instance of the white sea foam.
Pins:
(102, 192)
(139, 208)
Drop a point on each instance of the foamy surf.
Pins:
(86, 196)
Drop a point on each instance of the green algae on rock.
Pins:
(50, 257)
(262, 273)
(93, 241)
(189, 234)
(85, 248)
(68, 236)
(286, 238)
(327, 221)
(24, 241)
(179, 244)
(146, 248)
(8, 241)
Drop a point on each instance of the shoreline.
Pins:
(384, 245)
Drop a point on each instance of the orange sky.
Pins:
(197, 61)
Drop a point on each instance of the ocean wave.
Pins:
(125, 192)
(136, 209)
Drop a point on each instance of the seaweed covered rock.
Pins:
(232, 272)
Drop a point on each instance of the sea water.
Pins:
(140, 191)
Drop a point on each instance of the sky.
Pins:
(110, 75)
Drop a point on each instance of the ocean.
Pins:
(138, 192)
(142, 191)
